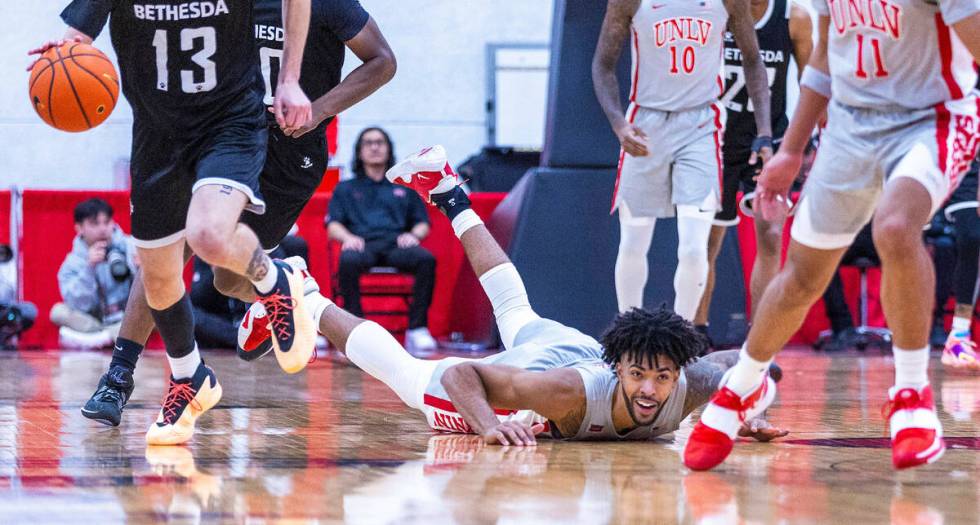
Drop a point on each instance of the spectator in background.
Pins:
(15, 317)
(94, 279)
(380, 224)
(216, 316)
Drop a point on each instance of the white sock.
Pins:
(316, 303)
(265, 284)
(464, 221)
(375, 351)
(693, 230)
(184, 367)
(747, 374)
(635, 236)
(911, 367)
(511, 308)
(961, 326)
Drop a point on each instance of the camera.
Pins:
(118, 266)
(14, 319)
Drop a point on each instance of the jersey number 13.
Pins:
(200, 40)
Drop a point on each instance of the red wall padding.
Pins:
(5, 216)
(458, 302)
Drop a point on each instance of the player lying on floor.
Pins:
(640, 382)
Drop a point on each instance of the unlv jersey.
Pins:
(677, 53)
(775, 48)
(898, 53)
(183, 63)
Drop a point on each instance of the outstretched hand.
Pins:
(777, 178)
(513, 433)
(760, 430)
(43, 48)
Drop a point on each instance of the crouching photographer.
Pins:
(15, 317)
(94, 279)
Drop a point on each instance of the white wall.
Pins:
(34, 154)
(438, 95)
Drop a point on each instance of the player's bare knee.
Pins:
(770, 240)
(209, 241)
(896, 236)
(798, 285)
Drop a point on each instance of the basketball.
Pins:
(74, 87)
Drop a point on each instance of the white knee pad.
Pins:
(693, 230)
(511, 308)
(635, 236)
(375, 351)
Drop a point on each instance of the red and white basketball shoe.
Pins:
(917, 434)
(254, 335)
(425, 172)
(714, 435)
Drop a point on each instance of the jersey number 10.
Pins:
(188, 38)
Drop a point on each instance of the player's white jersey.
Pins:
(677, 50)
(898, 53)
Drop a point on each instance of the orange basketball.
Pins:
(74, 87)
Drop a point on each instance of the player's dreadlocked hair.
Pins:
(639, 335)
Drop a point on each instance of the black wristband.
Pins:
(762, 141)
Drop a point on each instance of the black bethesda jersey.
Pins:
(332, 23)
(185, 64)
(776, 48)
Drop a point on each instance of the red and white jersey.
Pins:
(677, 50)
(898, 53)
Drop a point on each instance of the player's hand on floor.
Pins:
(46, 46)
(513, 433)
(761, 430)
(632, 139)
(774, 184)
(292, 107)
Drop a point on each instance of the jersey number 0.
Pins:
(190, 81)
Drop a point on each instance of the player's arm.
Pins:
(742, 27)
(703, 379)
(85, 19)
(291, 106)
(778, 175)
(615, 30)
(377, 69)
(968, 29)
(476, 388)
(801, 35)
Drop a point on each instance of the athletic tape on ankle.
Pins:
(464, 221)
(816, 80)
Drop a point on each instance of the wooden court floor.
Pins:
(332, 445)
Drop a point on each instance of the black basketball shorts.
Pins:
(170, 164)
(294, 168)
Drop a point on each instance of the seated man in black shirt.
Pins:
(380, 224)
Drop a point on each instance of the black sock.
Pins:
(126, 353)
(452, 202)
(176, 326)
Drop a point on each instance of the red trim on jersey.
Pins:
(447, 406)
(636, 66)
(622, 155)
(942, 135)
(946, 57)
(718, 131)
